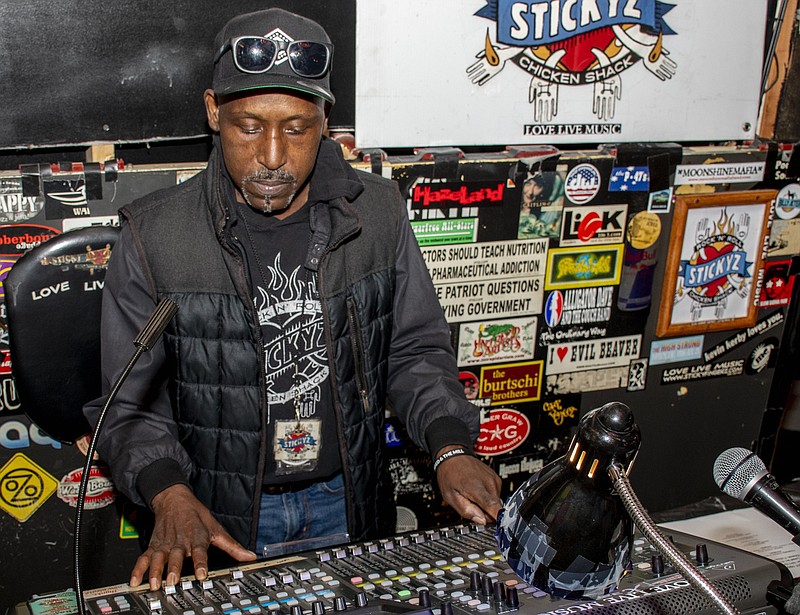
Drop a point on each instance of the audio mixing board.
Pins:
(449, 571)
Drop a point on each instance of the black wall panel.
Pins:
(82, 71)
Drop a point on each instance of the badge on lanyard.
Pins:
(297, 445)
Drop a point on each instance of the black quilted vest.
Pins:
(213, 344)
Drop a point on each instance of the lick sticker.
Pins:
(583, 226)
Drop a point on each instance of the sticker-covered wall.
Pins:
(654, 275)
(648, 271)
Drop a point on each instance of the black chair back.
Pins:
(53, 302)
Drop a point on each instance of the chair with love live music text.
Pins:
(53, 297)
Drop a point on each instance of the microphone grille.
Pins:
(735, 469)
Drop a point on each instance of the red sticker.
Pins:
(503, 431)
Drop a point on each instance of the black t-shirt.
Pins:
(301, 434)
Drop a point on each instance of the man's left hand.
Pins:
(471, 487)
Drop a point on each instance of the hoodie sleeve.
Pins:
(138, 439)
(424, 388)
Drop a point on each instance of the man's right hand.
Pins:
(183, 528)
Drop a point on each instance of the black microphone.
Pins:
(144, 342)
(165, 311)
(741, 473)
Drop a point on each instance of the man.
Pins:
(304, 305)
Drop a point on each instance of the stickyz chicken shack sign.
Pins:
(572, 43)
(496, 72)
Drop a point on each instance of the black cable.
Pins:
(151, 331)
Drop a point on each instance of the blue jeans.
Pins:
(311, 518)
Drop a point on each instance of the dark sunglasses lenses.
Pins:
(254, 54)
(308, 59)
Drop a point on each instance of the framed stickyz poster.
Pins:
(716, 249)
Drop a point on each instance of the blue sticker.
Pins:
(676, 349)
(629, 179)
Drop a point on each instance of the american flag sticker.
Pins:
(582, 184)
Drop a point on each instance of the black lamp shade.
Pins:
(564, 530)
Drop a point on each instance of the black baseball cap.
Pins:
(278, 25)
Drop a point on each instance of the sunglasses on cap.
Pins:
(256, 54)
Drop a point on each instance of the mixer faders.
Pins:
(460, 565)
(450, 571)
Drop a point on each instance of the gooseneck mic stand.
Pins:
(144, 342)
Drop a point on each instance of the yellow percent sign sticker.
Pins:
(24, 487)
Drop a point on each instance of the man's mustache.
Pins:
(270, 175)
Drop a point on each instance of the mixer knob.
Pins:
(361, 599)
(701, 554)
(474, 581)
(317, 608)
(339, 604)
(512, 598)
(296, 610)
(447, 608)
(424, 597)
(487, 586)
(499, 593)
(657, 564)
